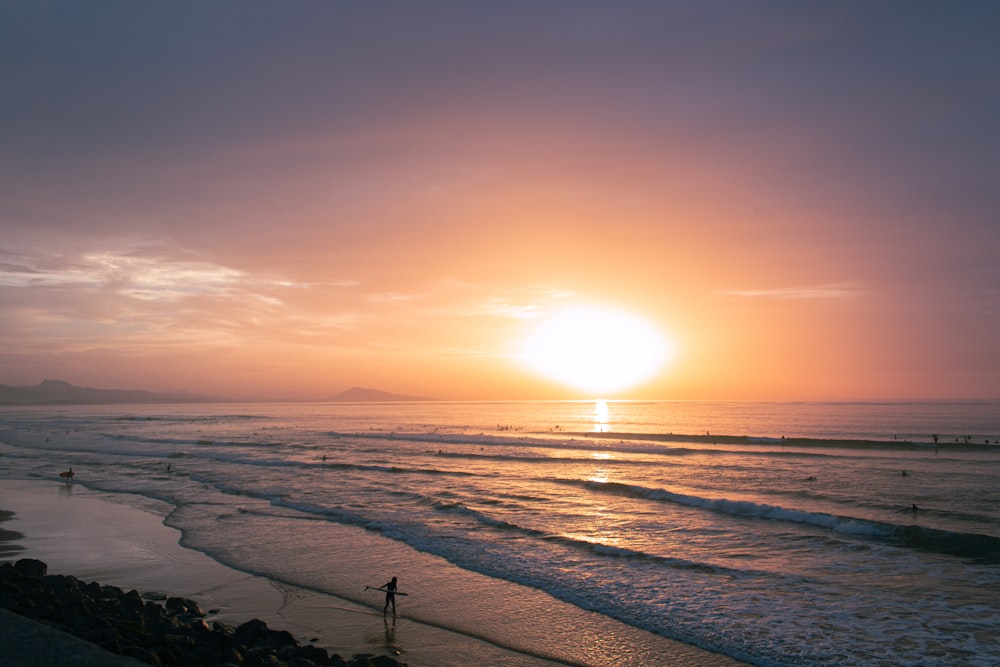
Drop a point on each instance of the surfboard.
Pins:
(384, 590)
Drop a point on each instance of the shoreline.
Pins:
(146, 628)
(121, 540)
(154, 565)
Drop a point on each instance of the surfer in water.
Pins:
(390, 596)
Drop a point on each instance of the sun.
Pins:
(595, 349)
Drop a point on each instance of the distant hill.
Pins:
(364, 395)
(60, 392)
(51, 392)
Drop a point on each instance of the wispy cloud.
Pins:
(123, 296)
(516, 311)
(147, 278)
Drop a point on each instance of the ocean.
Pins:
(773, 533)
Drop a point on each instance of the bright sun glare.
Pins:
(595, 349)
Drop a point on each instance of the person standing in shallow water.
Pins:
(390, 596)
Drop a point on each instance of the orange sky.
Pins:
(290, 200)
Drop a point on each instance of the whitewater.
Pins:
(772, 533)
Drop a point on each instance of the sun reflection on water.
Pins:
(602, 417)
(601, 476)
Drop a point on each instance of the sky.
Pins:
(258, 199)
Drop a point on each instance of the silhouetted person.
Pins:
(914, 508)
(390, 596)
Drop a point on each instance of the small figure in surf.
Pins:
(390, 596)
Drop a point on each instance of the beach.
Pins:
(94, 536)
(667, 534)
(120, 540)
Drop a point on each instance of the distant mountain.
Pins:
(62, 392)
(364, 395)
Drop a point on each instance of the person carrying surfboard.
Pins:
(390, 596)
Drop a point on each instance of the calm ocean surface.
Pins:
(775, 533)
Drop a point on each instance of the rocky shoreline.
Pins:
(163, 631)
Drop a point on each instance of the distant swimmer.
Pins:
(68, 475)
(903, 473)
(914, 508)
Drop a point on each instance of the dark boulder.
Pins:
(251, 632)
(30, 567)
(183, 606)
(174, 634)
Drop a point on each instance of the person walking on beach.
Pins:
(390, 596)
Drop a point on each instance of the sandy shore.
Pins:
(120, 540)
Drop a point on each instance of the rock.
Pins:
(30, 567)
(132, 601)
(223, 628)
(172, 635)
(281, 639)
(183, 606)
(250, 632)
(315, 654)
(382, 661)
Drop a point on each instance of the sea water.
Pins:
(774, 533)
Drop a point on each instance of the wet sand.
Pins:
(121, 540)
(8, 538)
